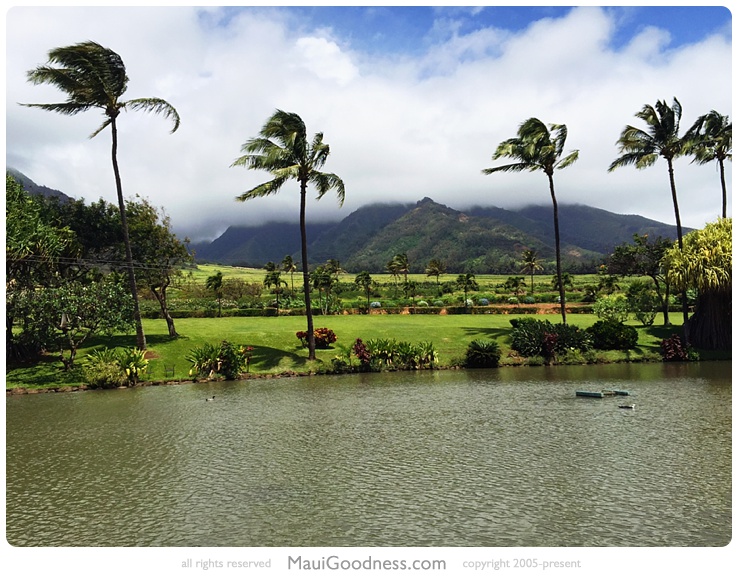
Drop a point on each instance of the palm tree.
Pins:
(711, 139)
(435, 268)
(531, 263)
(393, 269)
(537, 149)
(467, 282)
(215, 284)
(402, 264)
(282, 148)
(95, 77)
(288, 266)
(642, 148)
(364, 280)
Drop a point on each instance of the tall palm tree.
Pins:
(95, 77)
(531, 264)
(402, 264)
(283, 149)
(710, 138)
(642, 148)
(537, 149)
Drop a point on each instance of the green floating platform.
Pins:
(604, 393)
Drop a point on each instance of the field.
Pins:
(277, 350)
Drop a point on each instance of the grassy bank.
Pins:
(277, 350)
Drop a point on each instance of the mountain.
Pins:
(482, 239)
(34, 189)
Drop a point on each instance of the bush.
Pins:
(672, 349)
(483, 353)
(225, 359)
(613, 335)
(611, 308)
(324, 337)
(104, 375)
(109, 368)
(527, 335)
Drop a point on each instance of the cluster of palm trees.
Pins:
(93, 76)
(540, 147)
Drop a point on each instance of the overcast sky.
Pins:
(413, 102)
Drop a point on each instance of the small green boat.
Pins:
(603, 393)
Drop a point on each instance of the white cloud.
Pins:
(400, 128)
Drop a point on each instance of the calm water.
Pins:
(505, 457)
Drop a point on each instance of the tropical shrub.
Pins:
(362, 354)
(133, 362)
(108, 368)
(528, 334)
(226, 359)
(613, 335)
(483, 353)
(104, 375)
(611, 308)
(672, 349)
(324, 337)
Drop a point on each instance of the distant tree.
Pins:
(705, 264)
(402, 265)
(567, 279)
(95, 77)
(436, 268)
(364, 280)
(467, 282)
(531, 263)
(642, 148)
(288, 266)
(273, 278)
(644, 257)
(515, 284)
(709, 139)
(322, 280)
(282, 148)
(215, 284)
(535, 148)
(393, 268)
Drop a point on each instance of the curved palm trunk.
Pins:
(685, 306)
(305, 272)
(140, 337)
(562, 292)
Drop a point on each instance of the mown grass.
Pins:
(277, 349)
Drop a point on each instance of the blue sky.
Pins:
(412, 100)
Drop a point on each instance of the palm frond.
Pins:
(325, 182)
(155, 106)
(262, 190)
(68, 108)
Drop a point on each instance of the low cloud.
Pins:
(400, 128)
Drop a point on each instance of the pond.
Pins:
(504, 457)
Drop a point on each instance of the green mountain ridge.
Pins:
(480, 240)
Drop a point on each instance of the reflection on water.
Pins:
(507, 457)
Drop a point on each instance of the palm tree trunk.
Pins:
(685, 306)
(140, 337)
(725, 193)
(305, 272)
(562, 292)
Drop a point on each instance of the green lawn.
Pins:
(277, 350)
